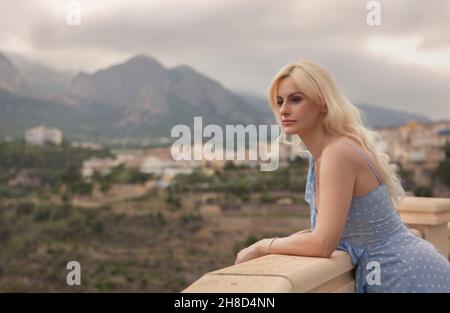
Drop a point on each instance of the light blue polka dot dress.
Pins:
(387, 256)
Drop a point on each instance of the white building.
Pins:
(41, 134)
(102, 166)
(153, 165)
(159, 166)
(87, 145)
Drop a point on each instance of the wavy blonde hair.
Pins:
(342, 119)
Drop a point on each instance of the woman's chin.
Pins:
(289, 131)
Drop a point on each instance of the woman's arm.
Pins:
(337, 180)
(301, 232)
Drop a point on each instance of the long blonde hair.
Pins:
(342, 119)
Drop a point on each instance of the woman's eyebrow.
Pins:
(294, 93)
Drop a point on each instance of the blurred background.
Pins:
(89, 93)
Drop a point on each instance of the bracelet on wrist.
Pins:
(270, 243)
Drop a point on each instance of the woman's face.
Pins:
(297, 113)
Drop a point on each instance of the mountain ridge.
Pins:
(140, 97)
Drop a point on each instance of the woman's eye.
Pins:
(296, 99)
(280, 103)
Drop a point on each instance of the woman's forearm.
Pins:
(301, 232)
(302, 244)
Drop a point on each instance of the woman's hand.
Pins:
(254, 251)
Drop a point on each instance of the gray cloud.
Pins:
(243, 43)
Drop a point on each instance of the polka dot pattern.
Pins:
(374, 231)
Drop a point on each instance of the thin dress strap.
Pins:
(367, 159)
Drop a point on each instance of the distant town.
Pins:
(417, 147)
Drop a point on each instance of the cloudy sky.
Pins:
(404, 63)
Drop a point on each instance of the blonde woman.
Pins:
(352, 190)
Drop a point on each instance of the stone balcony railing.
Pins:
(427, 217)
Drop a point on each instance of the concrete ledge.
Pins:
(417, 232)
(282, 273)
(431, 217)
(239, 283)
(425, 211)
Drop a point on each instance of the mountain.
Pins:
(257, 103)
(141, 83)
(153, 99)
(376, 116)
(18, 113)
(10, 77)
(42, 81)
(137, 98)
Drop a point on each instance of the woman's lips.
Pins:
(287, 122)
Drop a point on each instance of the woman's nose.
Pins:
(284, 109)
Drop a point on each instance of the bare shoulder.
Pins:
(339, 153)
